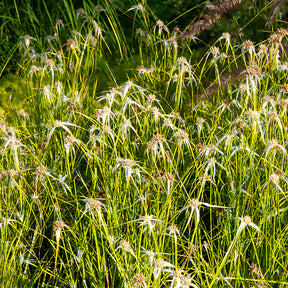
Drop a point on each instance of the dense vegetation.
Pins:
(141, 147)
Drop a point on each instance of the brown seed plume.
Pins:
(216, 11)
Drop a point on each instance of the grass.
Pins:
(114, 174)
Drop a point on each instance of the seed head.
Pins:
(268, 99)
(71, 42)
(177, 273)
(69, 139)
(168, 122)
(200, 121)
(263, 48)
(125, 245)
(22, 112)
(253, 114)
(273, 142)
(206, 177)
(41, 171)
(282, 32)
(194, 203)
(106, 110)
(182, 60)
(157, 138)
(212, 161)
(127, 122)
(80, 11)
(59, 23)
(172, 40)
(160, 23)
(283, 103)
(248, 44)
(58, 225)
(99, 113)
(50, 62)
(226, 35)
(57, 123)
(182, 137)
(152, 145)
(254, 269)
(285, 88)
(274, 39)
(240, 125)
(128, 163)
(12, 173)
(274, 178)
(214, 50)
(168, 177)
(200, 146)
(107, 129)
(95, 204)
(140, 280)
(273, 115)
(159, 263)
(150, 253)
(142, 70)
(173, 229)
(251, 72)
(247, 219)
(150, 99)
(34, 68)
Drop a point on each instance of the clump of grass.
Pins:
(141, 184)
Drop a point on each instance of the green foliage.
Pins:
(113, 171)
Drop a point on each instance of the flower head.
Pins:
(182, 136)
(194, 204)
(125, 245)
(160, 25)
(246, 221)
(173, 231)
(248, 45)
(149, 221)
(57, 227)
(140, 280)
(159, 266)
(94, 204)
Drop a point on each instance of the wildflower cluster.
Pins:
(129, 179)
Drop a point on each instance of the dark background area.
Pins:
(37, 19)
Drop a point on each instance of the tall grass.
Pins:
(123, 178)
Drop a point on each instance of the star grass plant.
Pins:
(97, 165)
